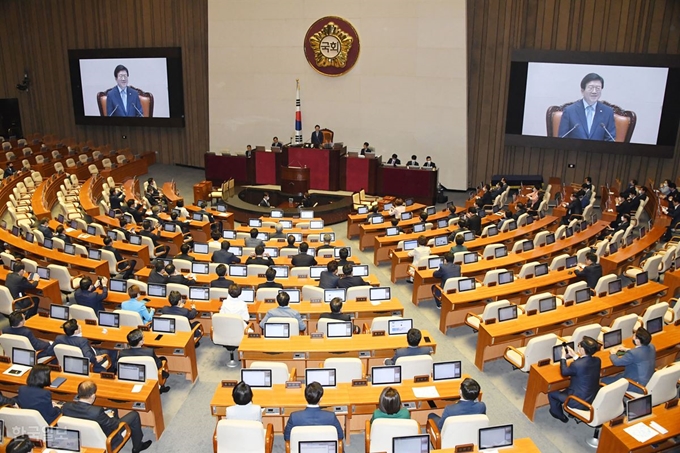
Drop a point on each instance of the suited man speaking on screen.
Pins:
(589, 119)
(121, 100)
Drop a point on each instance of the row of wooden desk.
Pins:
(354, 221)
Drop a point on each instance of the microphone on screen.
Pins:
(570, 131)
(605, 129)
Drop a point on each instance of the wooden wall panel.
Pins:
(496, 28)
(38, 33)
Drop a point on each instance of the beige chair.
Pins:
(10, 341)
(602, 286)
(62, 350)
(490, 312)
(346, 368)
(27, 421)
(662, 385)
(92, 435)
(380, 433)
(571, 290)
(651, 265)
(280, 373)
(311, 433)
(8, 303)
(590, 330)
(417, 365)
(242, 436)
(658, 310)
(538, 348)
(457, 430)
(227, 331)
(129, 318)
(81, 312)
(626, 323)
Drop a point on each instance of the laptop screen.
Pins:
(505, 277)
(500, 252)
(431, 210)
(571, 261)
(466, 284)
(379, 293)
(409, 202)
(411, 444)
(569, 232)
(614, 287)
(547, 304)
(118, 286)
(297, 236)
(199, 293)
(399, 326)
(470, 258)
(654, 325)
(22, 356)
(248, 295)
(330, 294)
(201, 248)
(164, 325)
(170, 227)
(91, 230)
(527, 245)
(318, 446)
(341, 329)
(410, 245)
(157, 290)
(386, 375)
(507, 313)
(441, 241)
(62, 439)
(131, 372)
(446, 370)
(495, 437)
(541, 270)
(200, 268)
(613, 248)
(76, 365)
(611, 338)
(221, 208)
(442, 223)
(641, 278)
(59, 312)
(418, 227)
(315, 271)
(238, 270)
(377, 219)
(108, 319)
(324, 376)
(557, 351)
(276, 330)
(263, 236)
(286, 224)
(281, 271)
(387, 206)
(582, 295)
(113, 235)
(639, 407)
(629, 240)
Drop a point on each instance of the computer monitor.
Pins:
(30, 237)
(236, 250)
(134, 372)
(362, 210)
(60, 218)
(641, 278)
(379, 293)
(276, 330)
(387, 206)
(254, 223)
(512, 225)
(315, 272)
(614, 287)
(360, 270)
(550, 239)
(94, 254)
(431, 210)
(613, 248)
(286, 224)
(495, 437)
(163, 325)
(200, 268)
(135, 239)
(386, 375)
(330, 294)
(59, 312)
(169, 227)
(442, 223)
(336, 251)
(74, 224)
(505, 277)
(108, 319)
(466, 284)
(569, 232)
(297, 236)
(419, 443)
(69, 249)
(376, 220)
(21, 356)
(339, 329)
(43, 273)
(199, 293)
(500, 252)
(571, 262)
(61, 439)
(238, 270)
(293, 295)
(91, 230)
(470, 257)
(47, 243)
(434, 262)
(15, 230)
(629, 240)
(440, 241)
(410, 245)
(541, 270)
(276, 214)
(248, 295)
(409, 202)
(492, 231)
(419, 227)
(263, 236)
(76, 365)
(582, 295)
(113, 235)
(324, 376)
(547, 304)
(399, 326)
(201, 248)
(157, 289)
(406, 216)
(507, 313)
(316, 224)
(306, 214)
(654, 325)
(557, 351)
(229, 234)
(643, 232)
(317, 446)
(281, 271)
(221, 207)
(118, 286)
(611, 338)
(442, 371)
(638, 408)
(392, 231)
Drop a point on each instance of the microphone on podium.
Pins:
(605, 129)
(570, 131)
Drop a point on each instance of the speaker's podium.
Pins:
(323, 164)
(294, 180)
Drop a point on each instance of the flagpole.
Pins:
(298, 116)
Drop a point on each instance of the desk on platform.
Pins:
(419, 184)
(220, 168)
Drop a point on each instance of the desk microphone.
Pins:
(605, 129)
(140, 113)
(570, 130)
(115, 107)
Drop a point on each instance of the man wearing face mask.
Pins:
(587, 118)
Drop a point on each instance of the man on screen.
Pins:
(589, 119)
(121, 101)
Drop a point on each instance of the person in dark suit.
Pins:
(184, 253)
(573, 208)
(122, 222)
(486, 198)
(638, 362)
(365, 149)
(585, 377)
(135, 339)
(394, 160)
(33, 395)
(621, 223)
(278, 232)
(249, 151)
(18, 285)
(591, 272)
(302, 258)
(44, 228)
(343, 254)
(276, 143)
(270, 275)
(312, 415)
(588, 119)
(373, 213)
(87, 295)
(176, 277)
(122, 100)
(73, 337)
(631, 188)
(83, 407)
(446, 271)
(336, 311)
(16, 327)
(9, 170)
(148, 232)
(260, 257)
(157, 275)
(520, 209)
(60, 234)
(506, 216)
(317, 137)
(466, 405)
(326, 248)
(675, 220)
(224, 256)
(221, 281)
(413, 338)
(122, 263)
(290, 243)
(116, 198)
(348, 280)
(329, 278)
(413, 162)
(472, 221)
(174, 219)
(253, 241)
(264, 203)
(177, 308)
(629, 205)
(134, 210)
(428, 163)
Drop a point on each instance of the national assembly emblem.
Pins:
(332, 46)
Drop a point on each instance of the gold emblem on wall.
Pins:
(332, 46)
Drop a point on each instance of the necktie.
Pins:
(123, 96)
(590, 112)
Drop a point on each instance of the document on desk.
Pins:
(375, 302)
(641, 432)
(69, 229)
(137, 388)
(426, 392)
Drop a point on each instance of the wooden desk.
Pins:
(227, 218)
(171, 193)
(45, 196)
(672, 280)
(492, 339)
(111, 393)
(178, 347)
(48, 289)
(303, 351)
(199, 229)
(89, 194)
(616, 440)
(368, 232)
(172, 240)
(355, 220)
(305, 232)
(631, 256)
(524, 445)
(545, 379)
(456, 306)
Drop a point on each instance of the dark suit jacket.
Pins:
(114, 103)
(348, 282)
(585, 378)
(224, 257)
(182, 256)
(576, 114)
(92, 299)
(462, 407)
(591, 274)
(639, 363)
(154, 237)
(18, 284)
(38, 344)
(394, 161)
(447, 271)
(221, 282)
(260, 260)
(180, 279)
(116, 200)
(155, 277)
(39, 399)
(79, 342)
(317, 138)
(141, 352)
(574, 207)
(328, 280)
(312, 416)
(270, 285)
(89, 412)
(474, 224)
(46, 231)
(302, 259)
(179, 311)
(336, 316)
(485, 199)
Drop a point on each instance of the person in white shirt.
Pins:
(398, 208)
(183, 212)
(417, 253)
(244, 408)
(234, 305)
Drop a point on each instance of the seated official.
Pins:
(183, 212)
(135, 339)
(264, 203)
(471, 221)
(389, 406)
(278, 232)
(60, 233)
(302, 258)
(467, 405)
(122, 223)
(88, 296)
(413, 338)
(428, 163)
(348, 280)
(259, 257)
(446, 271)
(591, 272)
(638, 362)
(276, 143)
(147, 231)
(174, 219)
(413, 162)
(244, 409)
(365, 149)
(343, 253)
(253, 241)
(621, 223)
(215, 238)
(116, 198)
(19, 286)
(312, 415)
(373, 212)
(290, 243)
(336, 311)
(506, 216)
(395, 224)
(519, 210)
(284, 311)
(177, 308)
(329, 278)
(573, 208)
(44, 228)
(184, 253)
(17, 321)
(451, 212)
(398, 208)
(459, 240)
(9, 170)
(175, 276)
(394, 160)
(121, 263)
(135, 210)
(201, 210)
(83, 407)
(270, 275)
(320, 250)
(306, 201)
(221, 281)
(137, 305)
(157, 274)
(73, 336)
(234, 305)
(35, 396)
(585, 378)
(223, 255)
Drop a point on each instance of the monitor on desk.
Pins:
(442, 371)
(408, 202)
(60, 219)
(530, 220)
(500, 252)
(495, 437)
(248, 295)
(613, 248)
(643, 232)
(466, 284)
(434, 262)
(77, 365)
(557, 351)
(15, 230)
(163, 325)
(571, 262)
(654, 325)
(297, 236)
(569, 232)
(91, 230)
(410, 245)
(201, 293)
(547, 304)
(512, 225)
(30, 237)
(200, 268)
(392, 231)
(638, 408)
(431, 210)
(255, 223)
(201, 248)
(330, 294)
(59, 312)
(276, 330)
(293, 295)
(378, 219)
(236, 250)
(379, 293)
(419, 443)
(611, 338)
(441, 241)
(94, 254)
(21, 356)
(492, 231)
(113, 235)
(641, 278)
(276, 214)
(582, 295)
(339, 329)
(108, 319)
(470, 257)
(69, 249)
(221, 207)
(360, 270)
(315, 272)
(62, 440)
(238, 270)
(47, 243)
(324, 376)
(399, 326)
(43, 273)
(507, 313)
(614, 287)
(134, 372)
(317, 446)
(629, 240)
(257, 378)
(135, 239)
(306, 214)
(442, 223)
(419, 227)
(229, 234)
(540, 270)
(286, 224)
(550, 239)
(362, 210)
(505, 277)
(156, 290)
(386, 375)
(264, 236)
(170, 227)
(74, 224)
(406, 215)
(316, 224)
(387, 206)
(281, 271)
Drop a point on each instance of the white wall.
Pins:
(407, 94)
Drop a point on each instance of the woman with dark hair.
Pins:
(390, 406)
(33, 395)
(244, 408)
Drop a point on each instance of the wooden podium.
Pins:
(294, 179)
